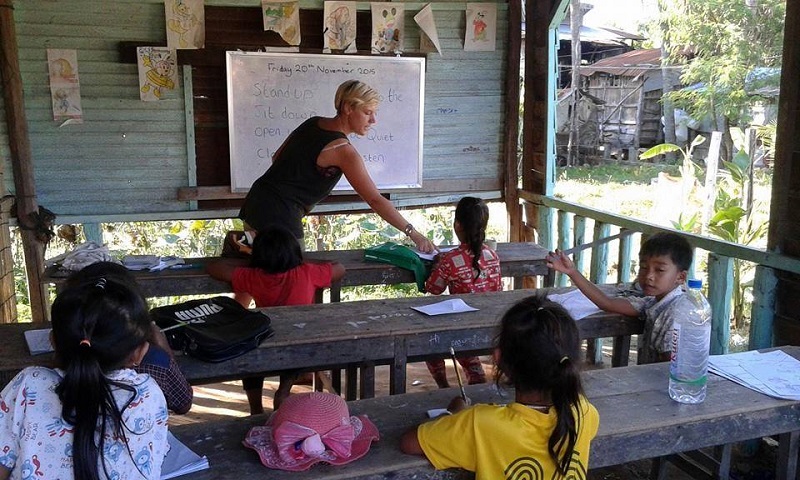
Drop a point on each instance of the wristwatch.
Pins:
(408, 229)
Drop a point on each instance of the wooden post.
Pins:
(8, 297)
(563, 242)
(598, 274)
(763, 315)
(624, 259)
(720, 289)
(21, 160)
(511, 137)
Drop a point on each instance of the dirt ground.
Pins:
(217, 401)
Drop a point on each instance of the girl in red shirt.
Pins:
(276, 276)
(470, 268)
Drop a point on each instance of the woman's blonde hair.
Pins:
(355, 93)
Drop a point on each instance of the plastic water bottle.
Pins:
(691, 340)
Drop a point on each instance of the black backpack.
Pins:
(213, 329)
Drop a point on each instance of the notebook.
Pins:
(38, 341)
(180, 460)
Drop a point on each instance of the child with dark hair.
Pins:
(158, 361)
(664, 262)
(92, 417)
(472, 267)
(549, 425)
(277, 275)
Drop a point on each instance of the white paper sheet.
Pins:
(39, 341)
(181, 460)
(431, 256)
(774, 373)
(576, 303)
(448, 306)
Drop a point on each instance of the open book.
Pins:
(180, 460)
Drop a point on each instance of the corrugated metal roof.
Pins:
(629, 64)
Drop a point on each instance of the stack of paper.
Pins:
(180, 460)
(774, 373)
(152, 263)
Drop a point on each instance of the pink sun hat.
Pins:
(309, 428)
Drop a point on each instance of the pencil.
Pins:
(458, 374)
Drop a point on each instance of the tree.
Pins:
(724, 40)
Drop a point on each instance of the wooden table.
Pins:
(638, 420)
(365, 333)
(517, 259)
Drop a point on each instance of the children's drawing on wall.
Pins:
(65, 88)
(388, 25)
(481, 27)
(283, 18)
(158, 73)
(186, 24)
(429, 37)
(339, 27)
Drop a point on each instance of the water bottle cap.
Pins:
(695, 283)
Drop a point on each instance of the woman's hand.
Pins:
(422, 242)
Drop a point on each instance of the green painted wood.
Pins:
(546, 228)
(93, 232)
(750, 254)
(563, 242)
(579, 235)
(720, 290)
(598, 274)
(762, 317)
(624, 259)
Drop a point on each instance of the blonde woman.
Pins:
(312, 160)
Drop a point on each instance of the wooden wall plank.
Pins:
(133, 157)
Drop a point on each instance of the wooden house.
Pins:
(629, 87)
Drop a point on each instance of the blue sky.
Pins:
(624, 14)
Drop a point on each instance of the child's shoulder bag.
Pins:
(213, 329)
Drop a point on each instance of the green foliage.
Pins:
(725, 40)
(204, 238)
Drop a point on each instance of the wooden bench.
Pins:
(517, 259)
(365, 333)
(638, 420)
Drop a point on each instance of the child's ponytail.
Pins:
(473, 215)
(566, 399)
(97, 325)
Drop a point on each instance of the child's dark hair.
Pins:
(667, 243)
(104, 269)
(473, 215)
(276, 250)
(539, 350)
(97, 324)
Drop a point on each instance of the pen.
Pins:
(178, 325)
(458, 374)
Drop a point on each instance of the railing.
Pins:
(563, 225)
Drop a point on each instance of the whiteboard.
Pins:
(270, 94)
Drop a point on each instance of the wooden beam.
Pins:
(511, 140)
(21, 160)
(223, 192)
